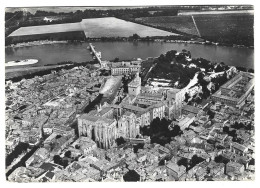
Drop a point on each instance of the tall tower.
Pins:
(134, 87)
(175, 98)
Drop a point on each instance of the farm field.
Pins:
(181, 23)
(44, 29)
(113, 27)
(223, 28)
(96, 28)
(227, 28)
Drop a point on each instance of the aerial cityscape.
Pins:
(129, 94)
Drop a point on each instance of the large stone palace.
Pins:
(137, 109)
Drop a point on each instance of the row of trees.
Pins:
(97, 13)
(152, 11)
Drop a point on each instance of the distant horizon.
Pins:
(74, 8)
(67, 9)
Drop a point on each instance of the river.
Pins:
(54, 53)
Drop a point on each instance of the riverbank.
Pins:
(35, 43)
(50, 54)
(125, 39)
(208, 43)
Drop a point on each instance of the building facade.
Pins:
(236, 90)
(125, 68)
(102, 130)
(128, 126)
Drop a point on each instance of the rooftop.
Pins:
(239, 146)
(105, 110)
(178, 169)
(191, 109)
(132, 107)
(96, 118)
(234, 164)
